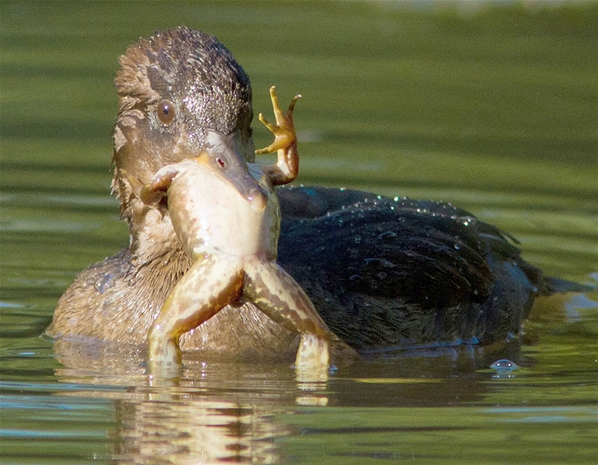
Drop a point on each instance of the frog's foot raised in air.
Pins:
(285, 143)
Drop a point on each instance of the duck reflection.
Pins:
(189, 428)
(213, 413)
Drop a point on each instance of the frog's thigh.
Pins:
(279, 296)
(209, 285)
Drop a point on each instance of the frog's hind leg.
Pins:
(209, 285)
(279, 296)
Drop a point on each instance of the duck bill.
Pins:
(223, 157)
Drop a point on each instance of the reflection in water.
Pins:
(232, 412)
(188, 428)
(215, 412)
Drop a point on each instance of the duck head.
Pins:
(180, 92)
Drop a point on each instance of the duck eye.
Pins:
(221, 163)
(165, 111)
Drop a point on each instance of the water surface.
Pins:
(494, 109)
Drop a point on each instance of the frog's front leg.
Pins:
(153, 192)
(285, 143)
(279, 296)
(209, 285)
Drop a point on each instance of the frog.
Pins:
(226, 214)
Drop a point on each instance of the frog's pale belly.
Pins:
(210, 215)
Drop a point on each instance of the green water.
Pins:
(492, 108)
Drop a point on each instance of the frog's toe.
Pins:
(271, 127)
(289, 113)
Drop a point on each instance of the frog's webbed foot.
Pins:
(209, 285)
(285, 142)
(279, 296)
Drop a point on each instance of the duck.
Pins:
(382, 273)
